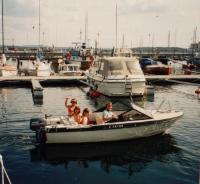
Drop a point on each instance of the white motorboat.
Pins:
(80, 55)
(69, 69)
(118, 76)
(132, 124)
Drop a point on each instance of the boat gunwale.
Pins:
(109, 126)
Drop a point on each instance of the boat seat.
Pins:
(97, 117)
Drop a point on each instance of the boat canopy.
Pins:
(120, 66)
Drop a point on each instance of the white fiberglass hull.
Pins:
(111, 131)
(43, 70)
(43, 73)
(109, 135)
(136, 87)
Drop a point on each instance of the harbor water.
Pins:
(172, 158)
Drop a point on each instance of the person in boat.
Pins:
(108, 114)
(76, 115)
(85, 117)
(70, 108)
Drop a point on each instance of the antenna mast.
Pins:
(116, 28)
(39, 28)
(3, 49)
(169, 39)
(86, 29)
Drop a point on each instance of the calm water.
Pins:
(172, 158)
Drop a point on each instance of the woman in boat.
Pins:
(70, 108)
(85, 116)
(76, 115)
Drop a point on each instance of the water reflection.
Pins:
(37, 101)
(132, 156)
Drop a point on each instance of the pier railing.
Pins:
(3, 172)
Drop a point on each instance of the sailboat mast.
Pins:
(39, 28)
(3, 49)
(86, 28)
(169, 39)
(116, 28)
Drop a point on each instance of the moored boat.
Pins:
(118, 76)
(5, 68)
(132, 124)
(69, 69)
(150, 66)
(80, 55)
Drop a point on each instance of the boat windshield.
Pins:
(133, 115)
(76, 68)
(133, 68)
(115, 68)
(70, 68)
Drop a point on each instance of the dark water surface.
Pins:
(172, 158)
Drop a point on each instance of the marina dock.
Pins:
(74, 79)
(37, 89)
(188, 78)
(51, 79)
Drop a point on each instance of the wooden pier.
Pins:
(37, 89)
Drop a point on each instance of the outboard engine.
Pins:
(36, 123)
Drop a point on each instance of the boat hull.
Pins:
(158, 70)
(43, 73)
(109, 132)
(136, 88)
(6, 71)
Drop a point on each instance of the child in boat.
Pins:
(85, 116)
(76, 115)
(70, 108)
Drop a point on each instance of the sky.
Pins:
(142, 22)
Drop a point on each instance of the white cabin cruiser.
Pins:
(132, 124)
(118, 76)
(69, 69)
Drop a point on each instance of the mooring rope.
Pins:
(3, 171)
